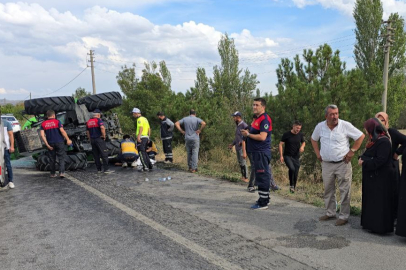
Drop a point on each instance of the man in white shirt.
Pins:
(335, 156)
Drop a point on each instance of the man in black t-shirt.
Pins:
(294, 145)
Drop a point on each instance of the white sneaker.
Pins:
(134, 164)
(11, 185)
(124, 165)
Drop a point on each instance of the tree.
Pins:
(229, 81)
(150, 93)
(230, 89)
(368, 18)
(308, 84)
(369, 52)
(80, 92)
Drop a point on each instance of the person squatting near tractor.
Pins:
(237, 143)
(143, 132)
(96, 134)
(152, 151)
(294, 145)
(53, 135)
(167, 127)
(129, 152)
(259, 145)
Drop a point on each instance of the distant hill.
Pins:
(4, 101)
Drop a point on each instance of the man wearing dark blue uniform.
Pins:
(52, 134)
(259, 146)
(96, 133)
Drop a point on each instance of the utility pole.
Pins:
(92, 68)
(389, 42)
(30, 95)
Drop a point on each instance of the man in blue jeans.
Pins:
(259, 146)
(9, 148)
(191, 131)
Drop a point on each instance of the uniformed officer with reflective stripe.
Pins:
(259, 145)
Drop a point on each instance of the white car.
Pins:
(14, 122)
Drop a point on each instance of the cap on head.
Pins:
(160, 114)
(96, 111)
(237, 113)
(136, 110)
(192, 112)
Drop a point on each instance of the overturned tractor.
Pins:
(73, 116)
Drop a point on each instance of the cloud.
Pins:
(13, 92)
(51, 42)
(347, 6)
(63, 5)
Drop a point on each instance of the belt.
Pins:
(334, 161)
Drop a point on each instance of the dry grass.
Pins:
(222, 163)
(310, 191)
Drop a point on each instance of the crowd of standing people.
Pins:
(383, 185)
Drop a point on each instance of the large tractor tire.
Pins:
(103, 101)
(38, 106)
(74, 161)
(114, 147)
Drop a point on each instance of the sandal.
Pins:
(245, 180)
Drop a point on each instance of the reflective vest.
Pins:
(128, 147)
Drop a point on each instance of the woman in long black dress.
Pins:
(398, 146)
(401, 222)
(378, 179)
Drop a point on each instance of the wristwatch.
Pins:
(353, 150)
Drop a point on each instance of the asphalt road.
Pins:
(121, 221)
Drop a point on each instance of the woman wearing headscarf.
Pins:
(378, 179)
(398, 146)
(398, 139)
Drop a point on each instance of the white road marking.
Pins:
(192, 246)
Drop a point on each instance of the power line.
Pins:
(66, 83)
(277, 61)
(246, 59)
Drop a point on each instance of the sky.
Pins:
(44, 44)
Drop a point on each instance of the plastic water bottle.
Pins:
(169, 178)
(146, 179)
(160, 179)
(164, 179)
